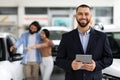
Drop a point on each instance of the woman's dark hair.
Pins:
(35, 23)
(47, 33)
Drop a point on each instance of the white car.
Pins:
(113, 33)
(10, 63)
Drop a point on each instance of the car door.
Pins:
(15, 66)
(5, 74)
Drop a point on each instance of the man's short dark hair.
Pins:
(83, 5)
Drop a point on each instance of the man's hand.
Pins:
(90, 67)
(12, 48)
(30, 48)
(76, 65)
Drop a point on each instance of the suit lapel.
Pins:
(77, 42)
(92, 41)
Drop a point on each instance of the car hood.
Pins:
(114, 69)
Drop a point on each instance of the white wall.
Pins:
(116, 15)
(60, 3)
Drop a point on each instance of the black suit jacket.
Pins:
(98, 46)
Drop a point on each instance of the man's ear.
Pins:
(91, 21)
(74, 15)
(91, 16)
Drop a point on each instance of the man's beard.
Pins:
(83, 24)
(32, 32)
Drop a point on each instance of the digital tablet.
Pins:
(84, 58)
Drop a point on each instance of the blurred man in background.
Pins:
(31, 58)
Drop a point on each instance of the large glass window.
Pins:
(103, 15)
(104, 11)
(8, 10)
(35, 10)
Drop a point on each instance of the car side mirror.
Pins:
(16, 57)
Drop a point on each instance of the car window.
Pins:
(10, 42)
(56, 35)
(2, 50)
(114, 39)
(12, 38)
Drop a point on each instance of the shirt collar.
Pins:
(87, 32)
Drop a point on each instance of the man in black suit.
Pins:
(84, 40)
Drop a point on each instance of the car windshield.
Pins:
(114, 39)
(56, 35)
